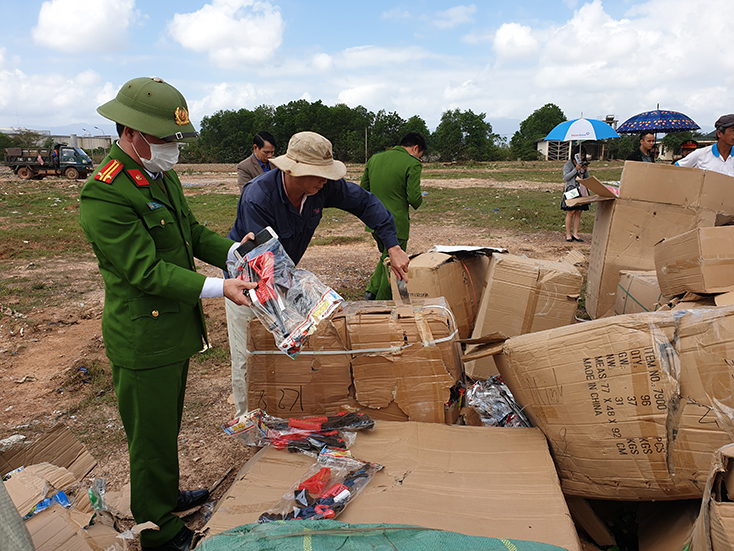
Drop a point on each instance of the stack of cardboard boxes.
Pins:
(633, 406)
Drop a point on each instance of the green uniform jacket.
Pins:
(394, 176)
(145, 242)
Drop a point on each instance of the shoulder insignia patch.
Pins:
(138, 177)
(109, 171)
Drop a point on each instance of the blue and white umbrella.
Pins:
(581, 130)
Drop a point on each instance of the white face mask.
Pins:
(163, 157)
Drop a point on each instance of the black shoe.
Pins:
(578, 239)
(179, 542)
(370, 296)
(190, 499)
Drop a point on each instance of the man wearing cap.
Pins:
(291, 199)
(394, 176)
(645, 152)
(135, 216)
(688, 147)
(263, 148)
(716, 157)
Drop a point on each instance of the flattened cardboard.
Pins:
(625, 233)
(625, 402)
(53, 530)
(58, 447)
(600, 193)
(698, 261)
(391, 361)
(638, 292)
(523, 295)
(459, 278)
(33, 483)
(432, 472)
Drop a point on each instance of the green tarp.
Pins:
(328, 535)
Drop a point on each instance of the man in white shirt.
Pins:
(716, 157)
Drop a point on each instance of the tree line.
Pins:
(355, 133)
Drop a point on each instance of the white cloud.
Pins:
(225, 96)
(452, 17)
(466, 90)
(234, 33)
(45, 100)
(76, 26)
(514, 41)
(322, 62)
(366, 94)
(396, 13)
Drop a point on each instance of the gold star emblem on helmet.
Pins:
(182, 116)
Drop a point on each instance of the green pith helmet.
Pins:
(152, 107)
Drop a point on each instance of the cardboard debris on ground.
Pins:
(638, 291)
(629, 403)
(655, 202)
(480, 481)
(523, 295)
(392, 361)
(58, 447)
(458, 277)
(699, 261)
(36, 482)
(56, 461)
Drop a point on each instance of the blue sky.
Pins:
(60, 59)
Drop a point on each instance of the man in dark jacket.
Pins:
(644, 153)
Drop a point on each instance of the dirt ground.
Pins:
(52, 362)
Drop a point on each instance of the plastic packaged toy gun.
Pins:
(289, 302)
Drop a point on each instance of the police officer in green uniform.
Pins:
(134, 214)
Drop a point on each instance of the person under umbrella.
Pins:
(574, 171)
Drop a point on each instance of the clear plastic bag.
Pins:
(308, 435)
(289, 302)
(494, 403)
(325, 490)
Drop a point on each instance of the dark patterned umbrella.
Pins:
(658, 121)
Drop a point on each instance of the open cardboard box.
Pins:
(480, 481)
(638, 292)
(655, 202)
(714, 530)
(523, 295)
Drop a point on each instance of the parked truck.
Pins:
(61, 159)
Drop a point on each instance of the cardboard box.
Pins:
(459, 278)
(699, 261)
(625, 233)
(392, 361)
(638, 292)
(714, 529)
(523, 295)
(655, 202)
(627, 403)
(480, 481)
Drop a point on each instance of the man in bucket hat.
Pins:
(716, 157)
(291, 199)
(134, 214)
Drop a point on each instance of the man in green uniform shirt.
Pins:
(394, 176)
(134, 214)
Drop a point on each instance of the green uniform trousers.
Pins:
(379, 284)
(151, 406)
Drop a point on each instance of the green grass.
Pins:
(338, 240)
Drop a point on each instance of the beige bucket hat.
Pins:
(309, 154)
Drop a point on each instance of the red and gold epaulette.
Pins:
(138, 177)
(109, 171)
